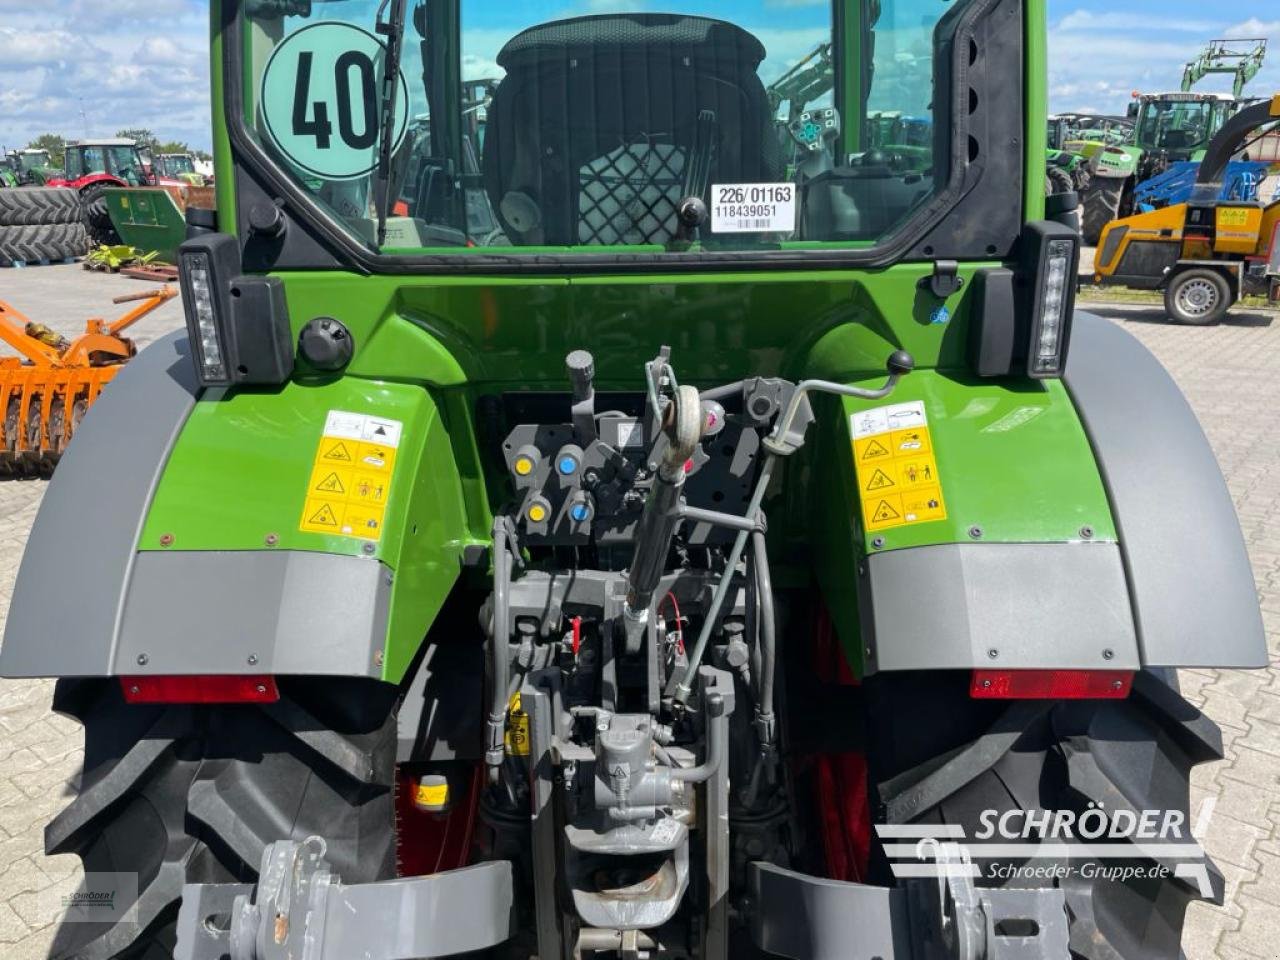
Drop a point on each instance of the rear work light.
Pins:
(1051, 684)
(238, 325)
(200, 689)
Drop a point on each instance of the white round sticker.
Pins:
(320, 97)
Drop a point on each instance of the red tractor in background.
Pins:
(91, 166)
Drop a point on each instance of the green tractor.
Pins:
(1167, 127)
(30, 167)
(1068, 169)
(740, 547)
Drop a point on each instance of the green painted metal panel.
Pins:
(486, 331)
(1012, 457)
(240, 475)
(147, 218)
(1013, 460)
(1035, 104)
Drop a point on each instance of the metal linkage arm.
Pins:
(300, 911)
(787, 437)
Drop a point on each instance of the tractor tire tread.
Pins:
(1135, 754)
(38, 206)
(42, 242)
(178, 794)
(1101, 205)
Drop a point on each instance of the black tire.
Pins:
(181, 794)
(1133, 754)
(31, 244)
(33, 206)
(1057, 181)
(1101, 205)
(1081, 178)
(1198, 297)
(97, 218)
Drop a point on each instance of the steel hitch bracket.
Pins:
(943, 917)
(300, 911)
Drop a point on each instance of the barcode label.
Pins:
(753, 208)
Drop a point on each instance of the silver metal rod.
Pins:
(685, 686)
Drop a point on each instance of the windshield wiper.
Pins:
(393, 30)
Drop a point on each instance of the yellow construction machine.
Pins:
(1207, 253)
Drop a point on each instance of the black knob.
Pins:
(692, 212)
(901, 362)
(582, 370)
(266, 219)
(326, 344)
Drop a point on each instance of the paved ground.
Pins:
(1231, 373)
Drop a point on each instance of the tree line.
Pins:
(55, 143)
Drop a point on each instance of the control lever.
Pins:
(684, 422)
(581, 367)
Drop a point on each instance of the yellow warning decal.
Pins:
(517, 736)
(896, 468)
(336, 451)
(1233, 216)
(351, 476)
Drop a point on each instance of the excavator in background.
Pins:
(1208, 252)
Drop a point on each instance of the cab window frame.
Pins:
(331, 244)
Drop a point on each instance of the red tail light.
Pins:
(1051, 684)
(200, 689)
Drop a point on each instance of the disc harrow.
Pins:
(45, 393)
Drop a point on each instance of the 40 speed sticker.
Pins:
(753, 208)
(351, 475)
(320, 98)
(897, 471)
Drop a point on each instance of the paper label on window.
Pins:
(753, 208)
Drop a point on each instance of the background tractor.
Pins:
(90, 168)
(1168, 127)
(180, 168)
(672, 522)
(1208, 252)
(29, 167)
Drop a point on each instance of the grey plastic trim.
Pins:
(88, 524)
(1000, 605)
(812, 918)
(1194, 599)
(281, 612)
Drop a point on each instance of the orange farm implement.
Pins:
(45, 393)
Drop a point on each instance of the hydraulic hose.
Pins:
(500, 664)
(768, 640)
(717, 734)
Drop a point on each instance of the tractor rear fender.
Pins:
(65, 613)
(186, 531)
(1191, 586)
(97, 179)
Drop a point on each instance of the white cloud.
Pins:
(1088, 20)
(1097, 60)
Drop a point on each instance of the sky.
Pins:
(92, 67)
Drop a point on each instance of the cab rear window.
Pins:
(545, 126)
